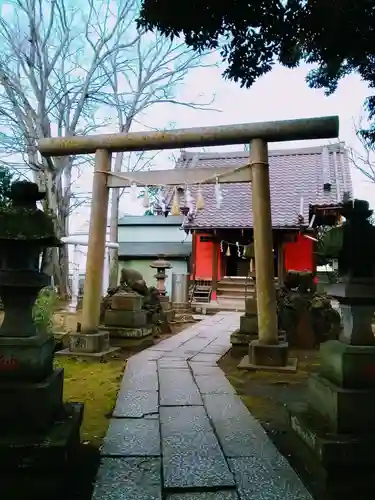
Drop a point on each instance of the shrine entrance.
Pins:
(256, 172)
(236, 266)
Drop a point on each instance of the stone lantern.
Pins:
(337, 422)
(355, 290)
(161, 265)
(31, 389)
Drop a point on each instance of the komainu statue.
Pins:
(306, 316)
(131, 281)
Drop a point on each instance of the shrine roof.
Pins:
(320, 175)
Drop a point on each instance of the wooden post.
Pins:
(96, 248)
(214, 268)
(193, 255)
(263, 245)
(280, 262)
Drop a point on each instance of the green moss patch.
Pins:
(96, 385)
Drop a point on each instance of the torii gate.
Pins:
(256, 172)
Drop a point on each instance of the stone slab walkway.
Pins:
(180, 432)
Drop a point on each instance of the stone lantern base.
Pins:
(182, 311)
(167, 307)
(39, 433)
(337, 420)
(40, 464)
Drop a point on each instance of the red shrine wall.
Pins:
(298, 255)
(203, 257)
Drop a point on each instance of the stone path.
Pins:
(180, 432)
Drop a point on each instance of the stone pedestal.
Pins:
(95, 346)
(126, 318)
(268, 357)
(182, 311)
(256, 355)
(30, 390)
(248, 330)
(337, 420)
(40, 464)
(38, 432)
(167, 307)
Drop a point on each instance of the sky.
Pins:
(280, 95)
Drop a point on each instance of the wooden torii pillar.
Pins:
(256, 172)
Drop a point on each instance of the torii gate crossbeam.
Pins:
(256, 172)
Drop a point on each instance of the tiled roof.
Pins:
(293, 174)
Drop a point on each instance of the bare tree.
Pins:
(61, 67)
(363, 157)
(50, 70)
(150, 74)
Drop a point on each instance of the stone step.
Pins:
(233, 296)
(235, 291)
(229, 287)
(236, 279)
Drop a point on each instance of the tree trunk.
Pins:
(58, 257)
(62, 261)
(113, 226)
(115, 199)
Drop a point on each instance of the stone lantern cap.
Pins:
(356, 208)
(161, 263)
(23, 221)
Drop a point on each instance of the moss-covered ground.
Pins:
(96, 385)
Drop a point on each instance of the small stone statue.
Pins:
(306, 316)
(131, 281)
